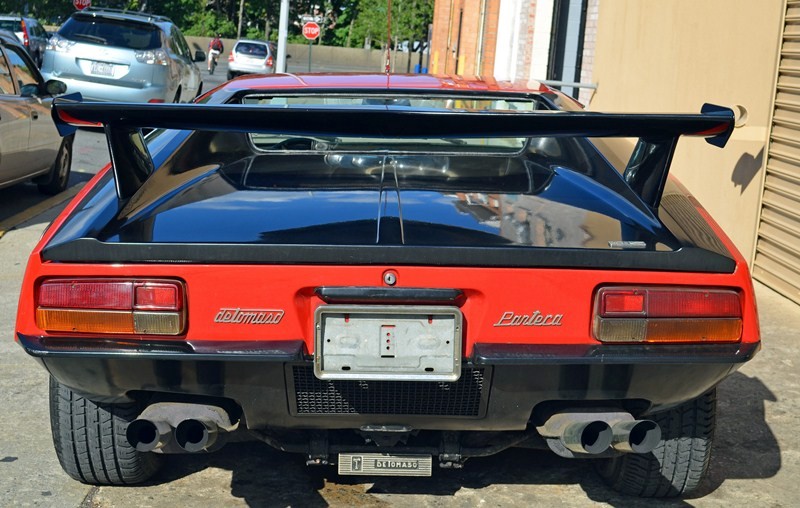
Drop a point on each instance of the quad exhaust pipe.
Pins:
(572, 434)
(174, 427)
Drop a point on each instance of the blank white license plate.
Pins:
(382, 464)
(393, 343)
(102, 69)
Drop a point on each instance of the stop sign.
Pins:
(81, 4)
(310, 29)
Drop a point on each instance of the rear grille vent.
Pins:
(462, 398)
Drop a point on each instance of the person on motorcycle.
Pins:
(215, 47)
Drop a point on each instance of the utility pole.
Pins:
(283, 33)
(241, 12)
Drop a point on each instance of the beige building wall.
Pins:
(672, 56)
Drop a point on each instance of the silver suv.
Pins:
(29, 32)
(112, 55)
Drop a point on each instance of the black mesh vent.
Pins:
(462, 398)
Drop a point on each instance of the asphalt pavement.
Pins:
(756, 460)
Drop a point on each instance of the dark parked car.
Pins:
(30, 146)
(29, 32)
(387, 273)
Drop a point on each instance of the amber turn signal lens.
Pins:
(84, 321)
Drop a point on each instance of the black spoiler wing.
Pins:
(646, 172)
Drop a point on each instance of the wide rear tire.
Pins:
(90, 442)
(679, 463)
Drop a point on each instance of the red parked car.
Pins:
(387, 273)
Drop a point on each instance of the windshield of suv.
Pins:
(111, 32)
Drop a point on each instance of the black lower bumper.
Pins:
(274, 384)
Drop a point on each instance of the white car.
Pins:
(251, 57)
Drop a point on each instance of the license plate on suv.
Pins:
(383, 464)
(397, 342)
(102, 69)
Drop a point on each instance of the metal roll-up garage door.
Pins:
(777, 261)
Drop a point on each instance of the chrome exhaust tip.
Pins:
(196, 435)
(148, 435)
(636, 436)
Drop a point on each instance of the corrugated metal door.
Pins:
(777, 261)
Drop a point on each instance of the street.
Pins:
(756, 460)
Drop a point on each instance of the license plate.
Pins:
(373, 343)
(102, 69)
(382, 464)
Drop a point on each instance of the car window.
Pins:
(22, 68)
(6, 84)
(252, 49)
(268, 142)
(111, 32)
(11, 25)
(180, 45)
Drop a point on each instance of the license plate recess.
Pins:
(409, 343)
(382, 464)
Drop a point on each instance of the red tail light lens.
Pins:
(157, 296)
(75, 294)
(270, 61)
(231, 58)
(111, 306)
(25, 40)
(668, 314)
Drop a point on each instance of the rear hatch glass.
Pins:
(11, 25)
(251, 49)
(112, 32)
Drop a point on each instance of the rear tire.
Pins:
(58, 178)
(679, 463)
(90, 442)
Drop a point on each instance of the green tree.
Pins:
(410, 19)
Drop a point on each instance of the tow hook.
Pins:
(451, 457)
(318, 449)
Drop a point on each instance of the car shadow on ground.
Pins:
(18, 198)
(745, 448)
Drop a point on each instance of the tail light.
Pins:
(152, 57)
(25, 40)
(667, 315)
(270, 61)
(231, 58)
(60, 44)
(111, 306)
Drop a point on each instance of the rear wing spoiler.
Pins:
(646, 172)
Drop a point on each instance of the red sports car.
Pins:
(386, 273)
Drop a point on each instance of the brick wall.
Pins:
(526, 29)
